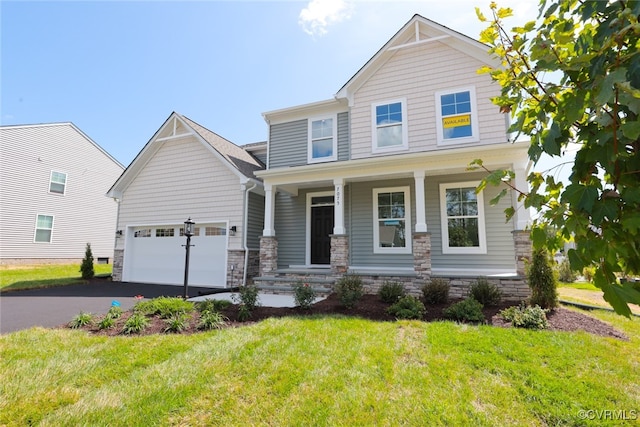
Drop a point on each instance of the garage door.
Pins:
(156, 254)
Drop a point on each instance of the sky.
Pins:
(118, 69)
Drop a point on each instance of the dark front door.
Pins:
(321, 229)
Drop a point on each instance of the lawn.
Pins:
(334, 370)
(43, 276)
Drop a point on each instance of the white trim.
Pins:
(475, 132)
(66, 177)
(334, 138)
(374, 127)
(482, 235)
(35, 229)
(377, 249)
(307, 244)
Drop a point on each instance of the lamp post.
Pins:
(188, 231)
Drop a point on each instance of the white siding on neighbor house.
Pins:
(83, 214)
(416, 73)
(183, 179)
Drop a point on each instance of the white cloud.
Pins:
(320, 14)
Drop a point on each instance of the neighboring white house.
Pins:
(187, 171)
(52, 195)
(374, 181)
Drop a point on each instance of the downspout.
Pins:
(245, 231)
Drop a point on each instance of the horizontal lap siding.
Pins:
(290, 225)
(184, 179)
(255, 219)
(288, 144)
(82, 215)
(416, 73)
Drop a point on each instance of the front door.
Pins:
(321, 230)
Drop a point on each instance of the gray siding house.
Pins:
(374, 181)
(187, 171)
(52, 202)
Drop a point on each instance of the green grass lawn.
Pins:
(587, 286)
(322, 371)
(42, 276)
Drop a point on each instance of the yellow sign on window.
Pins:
(455, 121)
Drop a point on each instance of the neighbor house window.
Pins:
(389, 126)
(391, 220)
(165, 232)
(322, 139)
(44, 228)
(456, 114)
(58, 182)
(462, 212)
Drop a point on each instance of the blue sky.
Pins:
(118, 69)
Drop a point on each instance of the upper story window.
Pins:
(57, 182)
(392, 220)
(389, 126)
(462, 216)
(44, 228)
(457, 118)
(323, 144)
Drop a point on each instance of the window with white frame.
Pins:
(389, 127)
(456, 116)
(323, 138)
(165, 232)
(462, 213)
(44, 228)
(57, 182)
(391, 220)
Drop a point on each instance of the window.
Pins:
(57, 182)
(196, 231)
(456, 116)
(392, 220)
(215, 231)
(462, 219)
(143, 233)
(165, 232)
(44, 228)
(389, 126)
(322, 139)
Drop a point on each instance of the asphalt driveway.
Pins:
(53, 307)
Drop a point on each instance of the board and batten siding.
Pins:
(82, 215)
(415, 74)
(288, 142)
(183, 179)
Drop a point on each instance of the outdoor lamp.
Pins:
(188, 227)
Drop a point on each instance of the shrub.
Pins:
(467, 310)
(244, 313)
(80, 320)
(176, 323)
(526, 317)
(135, 324)
(542, 281)
(408, 307)
(211, 320)
(485, 293)
(391, 292)
(165, 307)
(107, 322)
(349, 289)
(303, 295)
(565, 273)
(114, 312)
(212, 305)
(436, 291)
(248, 296)
(588, 273)
(86, 268)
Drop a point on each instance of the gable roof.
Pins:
(238, 161)
(417, 31)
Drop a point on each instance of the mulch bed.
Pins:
(372, 308)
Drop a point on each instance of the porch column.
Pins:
(269, 210)
(422, 254)
(268, 255)
(421, 215)
(338, 210)
(522, 245)
(522, 216)
(339, 254)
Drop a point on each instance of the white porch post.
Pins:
(421, 215)
(522, 216)
(338, 212)
(269, 210)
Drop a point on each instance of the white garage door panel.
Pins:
(161, 259)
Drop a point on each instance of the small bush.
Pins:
(565, 273)
(212, 305)
(135, 324)
(391, 292)
(542, 281)
(211, 320)
(588, 273)
(86, 268)
(408, 307)
(349, 289)
(80, 320)
(176, 323)
(165, 307)
(114, 312)
(486, 293)
(467, 310)
(107, 322)
(248, 297)
(436, 291)
(526, 317)
(303, 295)
(244, 313)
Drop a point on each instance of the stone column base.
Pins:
(268, 255)
(339, 254)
